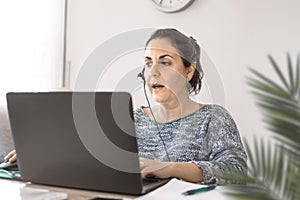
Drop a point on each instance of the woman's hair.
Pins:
(189, 52)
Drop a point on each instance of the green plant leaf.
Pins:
(290, 71)
(264, 181)
(265, 83)
(278, 71)
(274, 167)
(297, 79)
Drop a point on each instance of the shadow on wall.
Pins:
(6, 143)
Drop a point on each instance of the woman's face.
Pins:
(165, 73)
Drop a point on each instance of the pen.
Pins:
(204, 189)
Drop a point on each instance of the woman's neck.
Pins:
(174, 110)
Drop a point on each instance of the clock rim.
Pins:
(173, 9)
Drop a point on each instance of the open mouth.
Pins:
(156, 85)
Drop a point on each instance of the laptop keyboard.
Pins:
(147, 181)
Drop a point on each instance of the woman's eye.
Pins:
(148, 65)
(166, 63)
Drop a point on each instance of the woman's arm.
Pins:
(187, 171)
(182, 170)
(227, 154)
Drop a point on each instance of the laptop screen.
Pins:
(76, 139)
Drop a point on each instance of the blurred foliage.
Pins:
(274, 165)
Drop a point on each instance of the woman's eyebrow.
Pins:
(165, 55)
(160, 57)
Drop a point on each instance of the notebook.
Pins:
(83, 140)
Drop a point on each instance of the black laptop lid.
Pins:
(76, 139)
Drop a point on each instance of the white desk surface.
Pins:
(10, 189)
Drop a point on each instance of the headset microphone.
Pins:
(142, 76)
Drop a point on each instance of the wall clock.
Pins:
(171, 6)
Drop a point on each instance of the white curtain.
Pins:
(31, 45)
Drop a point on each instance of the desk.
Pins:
(11, 190)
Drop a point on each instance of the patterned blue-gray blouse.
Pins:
(207, 137)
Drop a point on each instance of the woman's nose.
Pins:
(154, 71)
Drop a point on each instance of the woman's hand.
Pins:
(153, 168)
(11, 156)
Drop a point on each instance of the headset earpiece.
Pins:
(141, 75)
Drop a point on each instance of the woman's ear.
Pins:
(190, 72)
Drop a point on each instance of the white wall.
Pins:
(235, 34)
(31, 45)
(31, 52)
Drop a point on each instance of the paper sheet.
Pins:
(174, 189)
(37, 194)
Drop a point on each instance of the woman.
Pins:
(179, 137)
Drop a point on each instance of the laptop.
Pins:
(83, 140)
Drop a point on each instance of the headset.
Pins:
(142, 76)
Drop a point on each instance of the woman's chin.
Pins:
(160, 98)
(161, 95)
